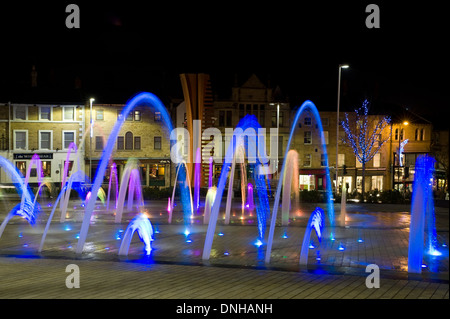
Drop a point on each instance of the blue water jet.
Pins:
(422, 215)
(306, 106)
(248, 126)
(139, 99)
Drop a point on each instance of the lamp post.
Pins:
(341, 66)
(91, 122)
(399, 160)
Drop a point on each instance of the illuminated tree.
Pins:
(364, 135)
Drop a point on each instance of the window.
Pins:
(68, 138)
(422, 134)
(137, 142)
(156, 174)
(281, 119)
(377, 160)
(241, 111)
(20, 140)
(307, 137)
(157, 142)
(120, 142)
(99, 116)
(377, 140)
(323, 160)
(396, 134)
(45, 113)
(68, 113)
(358, 163)
(229, 117)
(47, 168)
(129, 116)
(341, 159)
(119, 115)
(22, 167)
(137, 115)
(98, 143)
(325, 137)
(45, 140)
(221, 118)
(128, 141)
(274, 118)
(307, 121)
(416, 135)
(157, 116)
(20, 112)
(307, 160)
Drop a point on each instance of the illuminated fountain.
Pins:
(422, 216)
(75, 176)
(250, 202)
(131, 180)
(142, 98)
(197, 178)
(144, 228)
(26, 208)
(316, 221)
(113, 180)
(247, 126)
(210, 197)
(210, 177)
(306, 106)
(238, 157)
(290, 185)
(185, 190)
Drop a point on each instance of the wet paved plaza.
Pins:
(373, 234)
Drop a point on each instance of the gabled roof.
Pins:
(253, 83)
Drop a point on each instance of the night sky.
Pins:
(124, 48)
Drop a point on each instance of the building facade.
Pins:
(142, 137)
(44, 129)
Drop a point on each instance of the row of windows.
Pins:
(135, 116)
(45, 113)
(45, 139)
(341, 160)
(419, 134)
(127, 142)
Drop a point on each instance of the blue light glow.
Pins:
(186, 232)
(341, 247)
(220, 234)
(360, 240)
(67, 228)
(284, 235)
(20, 235)
(258, 243)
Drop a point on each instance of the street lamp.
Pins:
(341, 66)
(91, 121)
(400, 137)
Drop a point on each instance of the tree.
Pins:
(364, 135)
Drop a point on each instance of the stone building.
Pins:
(143, 137)
(43, 129)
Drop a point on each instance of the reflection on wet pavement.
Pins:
(373, 234)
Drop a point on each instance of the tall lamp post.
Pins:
(399, 160)
(341, 66)
(91, 123)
